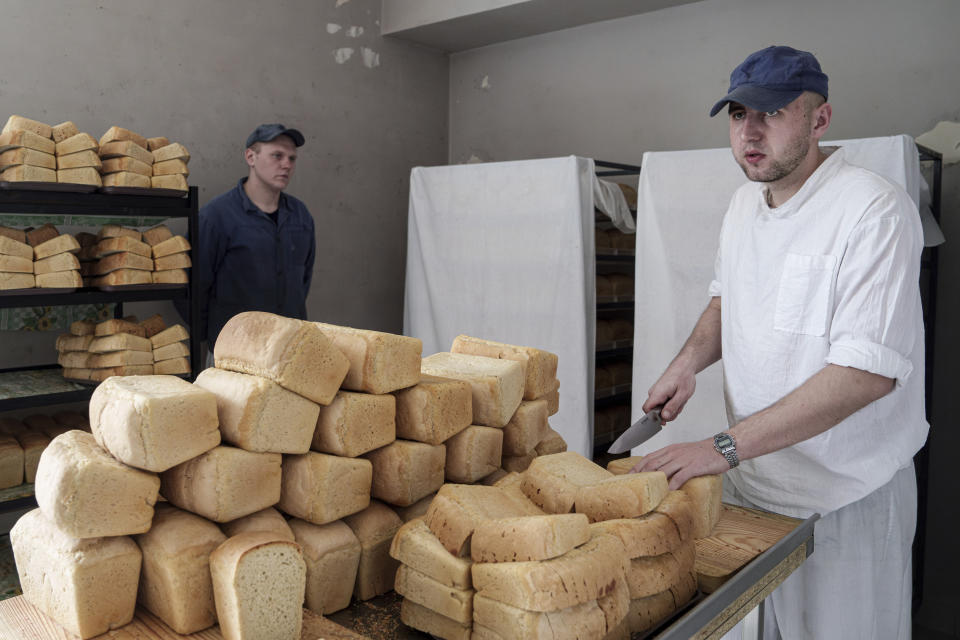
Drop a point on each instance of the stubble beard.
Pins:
(779, 169)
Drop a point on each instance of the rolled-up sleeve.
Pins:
(876, 324)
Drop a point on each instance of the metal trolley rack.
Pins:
(36, 202)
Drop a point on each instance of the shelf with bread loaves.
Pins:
(95, 205)
(615, 254)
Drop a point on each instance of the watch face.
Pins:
(724, 441)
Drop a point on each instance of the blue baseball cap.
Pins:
(772, 78)
(267, 132)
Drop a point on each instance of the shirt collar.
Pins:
(821, 174)
(248, 205)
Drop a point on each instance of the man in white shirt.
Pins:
(815, 308)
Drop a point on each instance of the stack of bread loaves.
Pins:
(171, 255)
(77, 159)
(171, 355)
(119, 348)
(122, 257)
(169, 166)
(125, 160)
(75, 557)
(657, 527)
(360, 425)
(95, 351)
(514, 389)
(16, 260)
(54, 262)
(27, 151)
(320, 394)
(22, 443)
(486, 562)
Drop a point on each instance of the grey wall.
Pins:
(206, 73)
(616, 89)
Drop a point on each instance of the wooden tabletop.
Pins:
(740, 536)
(20, 620)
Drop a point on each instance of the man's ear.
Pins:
(821, 119)
(248, 156)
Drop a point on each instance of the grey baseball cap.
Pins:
(267, 132)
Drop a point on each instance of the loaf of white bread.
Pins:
(89, 586)
(258, 586)
(27, 151)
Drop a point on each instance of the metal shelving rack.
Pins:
(613, 305)
(929, 264)
(23, 201)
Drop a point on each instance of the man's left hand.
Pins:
(684, 461)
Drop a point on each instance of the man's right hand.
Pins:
(678, 382)
(671, 391)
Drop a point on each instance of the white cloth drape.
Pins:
(505, 251)
(682, 197)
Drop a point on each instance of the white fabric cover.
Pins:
(682, 197)
(609, 199)
(505, 251)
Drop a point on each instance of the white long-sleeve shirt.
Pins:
(828, 277)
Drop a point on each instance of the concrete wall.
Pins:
(206, 73)
(616, 89)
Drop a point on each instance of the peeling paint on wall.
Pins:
(485, 83)
(342, 54)
(333, 27)
(355, 32)
(371, 58)
(342, 2)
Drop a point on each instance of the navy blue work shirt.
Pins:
(249, 260)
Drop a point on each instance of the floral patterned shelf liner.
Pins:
(38, 382)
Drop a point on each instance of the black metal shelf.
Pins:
(91, 296)
(52, 202)
(607, 258)
(64, 397)
(613, 350)
(606, 254)
(96, 204)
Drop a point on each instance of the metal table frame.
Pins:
(742, 595)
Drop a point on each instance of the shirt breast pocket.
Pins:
(298, 241)
(803, 299)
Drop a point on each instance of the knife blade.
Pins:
(638, 433)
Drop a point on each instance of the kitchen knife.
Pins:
(638, 433)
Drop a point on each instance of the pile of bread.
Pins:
(614, 284)
(122, 256)
(613, 330)
(41, 257)
(32, 151)
(22, 442)
(297, 417)
(114, 256)
(608, 239)
(123, 347)
(566, 549)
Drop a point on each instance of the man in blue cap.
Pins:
(821, 336)
(257, 243)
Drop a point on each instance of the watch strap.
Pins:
(726, 446)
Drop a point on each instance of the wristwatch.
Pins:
(726, 446)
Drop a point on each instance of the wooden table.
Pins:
(20, 620)
(749, 554)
